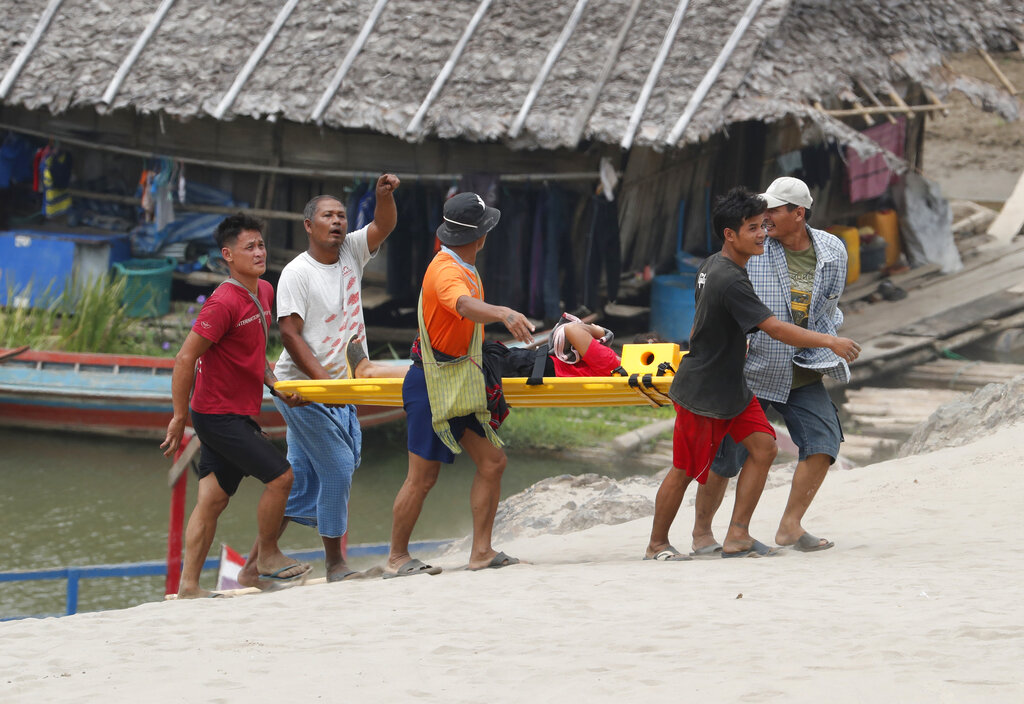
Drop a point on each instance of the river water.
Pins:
(75, 500)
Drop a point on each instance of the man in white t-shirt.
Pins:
(319, 311)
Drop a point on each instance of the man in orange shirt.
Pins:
(452, 307)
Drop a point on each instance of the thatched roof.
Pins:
(793, 53)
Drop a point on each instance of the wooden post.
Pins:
(175, 529)
(178, 479)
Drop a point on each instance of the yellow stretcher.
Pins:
(646, 385)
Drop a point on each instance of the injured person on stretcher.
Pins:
(575, 348)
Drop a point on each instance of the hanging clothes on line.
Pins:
(870, 178)
(603, 251)
(56, 179)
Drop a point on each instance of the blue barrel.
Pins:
(672, 306)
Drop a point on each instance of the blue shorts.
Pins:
(811, 419)
(423, 441)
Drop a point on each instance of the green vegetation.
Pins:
(83, 318)
(563, 428)
(551, 428)
(89, 317)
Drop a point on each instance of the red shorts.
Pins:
(696, 438)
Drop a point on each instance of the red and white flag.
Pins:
(230, 565)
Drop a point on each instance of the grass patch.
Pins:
(561, 428)
(550, 428)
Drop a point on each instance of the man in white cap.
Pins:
(444, 394)
(799, 277)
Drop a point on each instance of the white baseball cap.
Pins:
(787, 189)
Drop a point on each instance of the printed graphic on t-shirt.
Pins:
(801, 283)
(801, 304)
(348, 324)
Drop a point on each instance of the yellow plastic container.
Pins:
(887, 226)
(851, 238)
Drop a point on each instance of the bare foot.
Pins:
(249, 575)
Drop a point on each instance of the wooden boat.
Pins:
(106, 394)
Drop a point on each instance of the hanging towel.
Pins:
(869, 178)
(56, 178)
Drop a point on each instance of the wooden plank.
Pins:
(867, 284)
(963, 375)
(181, 464)
(952, 321)
(1011, 218)
(997, 272)
(9, 354)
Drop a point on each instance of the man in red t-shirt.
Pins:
(224, 356)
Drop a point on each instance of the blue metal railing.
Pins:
(159, 568)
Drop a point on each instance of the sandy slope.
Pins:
(921, 601)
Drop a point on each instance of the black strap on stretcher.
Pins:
(537, 374)
(642, 384)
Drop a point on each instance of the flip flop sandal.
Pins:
(412, 567)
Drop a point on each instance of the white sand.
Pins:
(920, 601)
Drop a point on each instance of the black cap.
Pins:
(466, 219)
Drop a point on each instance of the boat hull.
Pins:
(111, 395)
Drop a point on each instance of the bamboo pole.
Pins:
(908, 109)
(346, 64)
(26, 51)
(874, 99)
(449, 66)
(580, 123)
(542, 76)
(999, 74)
(190, 207)
(250, 65)
(895, 97)
(934, 99)
(133, 55)
(712, 75)
(652, 75)
(868, 120)
(309, 172)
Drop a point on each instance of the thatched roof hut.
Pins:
(793, 53)
(517, 87)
